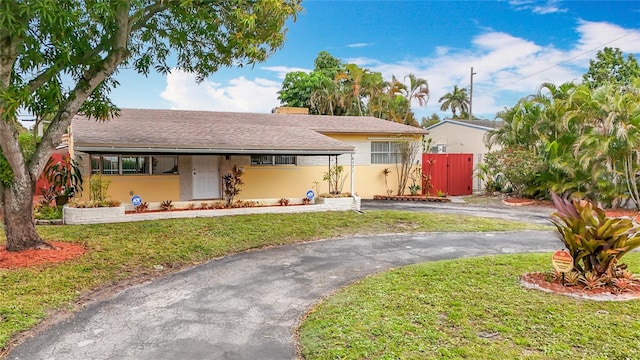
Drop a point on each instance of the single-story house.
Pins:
(182, 155)
(462, 136)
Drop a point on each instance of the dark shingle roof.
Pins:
(226, 132)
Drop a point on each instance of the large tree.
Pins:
(58, 58)
(611, 67)
(302, 89)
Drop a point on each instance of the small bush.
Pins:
(47, 212)
(167, 205)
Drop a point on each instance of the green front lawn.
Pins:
(122, 251)
(469, 309)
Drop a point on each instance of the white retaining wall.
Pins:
(76, 216)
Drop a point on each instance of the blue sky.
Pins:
(513, 46)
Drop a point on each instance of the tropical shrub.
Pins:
(336, 179)
(519, 166)
(98, 187)
(231, 183)
(167, 205)
(93, 203)
(596, 242)
(64, 177)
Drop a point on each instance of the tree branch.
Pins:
(142, 16)
(83, 89)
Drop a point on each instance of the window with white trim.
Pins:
(273, 160)
(133, 165)
(385, 152)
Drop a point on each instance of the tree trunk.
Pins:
(16, 204)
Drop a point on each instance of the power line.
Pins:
(562, 62)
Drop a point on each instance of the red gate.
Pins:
(451, 174)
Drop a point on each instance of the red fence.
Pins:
(451, 174)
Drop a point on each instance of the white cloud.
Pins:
(238, 95)
(359, 45)
(595, 35)
(549, 7)
(283, 70)
(507, 68)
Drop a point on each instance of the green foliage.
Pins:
(317, 90)
(431, 120)
(595, 241)
(610, 67)
(28, 146)
(231, 184)
(335, 88)
(336, 178)
(519, 166)
(44, 211)
(588, 139)
(456, 100)
(414, 189)
(81, 204)
(327, 65)
(298, 88)
(98, 188)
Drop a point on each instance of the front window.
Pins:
(273, 159)
(164, 165)
(133, 165)
(110, 165)
(385, 152)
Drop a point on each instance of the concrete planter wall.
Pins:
(100, 215)
(76, 216)
(340, 204)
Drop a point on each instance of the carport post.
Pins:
(352, 173)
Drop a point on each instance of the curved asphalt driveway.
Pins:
(246, 306)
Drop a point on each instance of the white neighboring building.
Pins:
(462, 137)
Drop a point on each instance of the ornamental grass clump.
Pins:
(596, 242)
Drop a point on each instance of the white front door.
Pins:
(206, 177)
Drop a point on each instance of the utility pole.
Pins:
(471, 96)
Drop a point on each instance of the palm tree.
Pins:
(456, 100)
(354, 77)
(418, 89)
(610, 148)
(326, 98)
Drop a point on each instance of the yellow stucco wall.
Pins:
(278, 182)
(259, 183)
(152, 188)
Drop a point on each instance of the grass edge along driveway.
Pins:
(124, 251)
(473, 308)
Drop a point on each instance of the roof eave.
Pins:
(211, 151)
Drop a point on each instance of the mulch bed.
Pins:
(412, 198)
(64, 251)
(536, 280)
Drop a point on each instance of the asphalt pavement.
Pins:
(247, 306)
